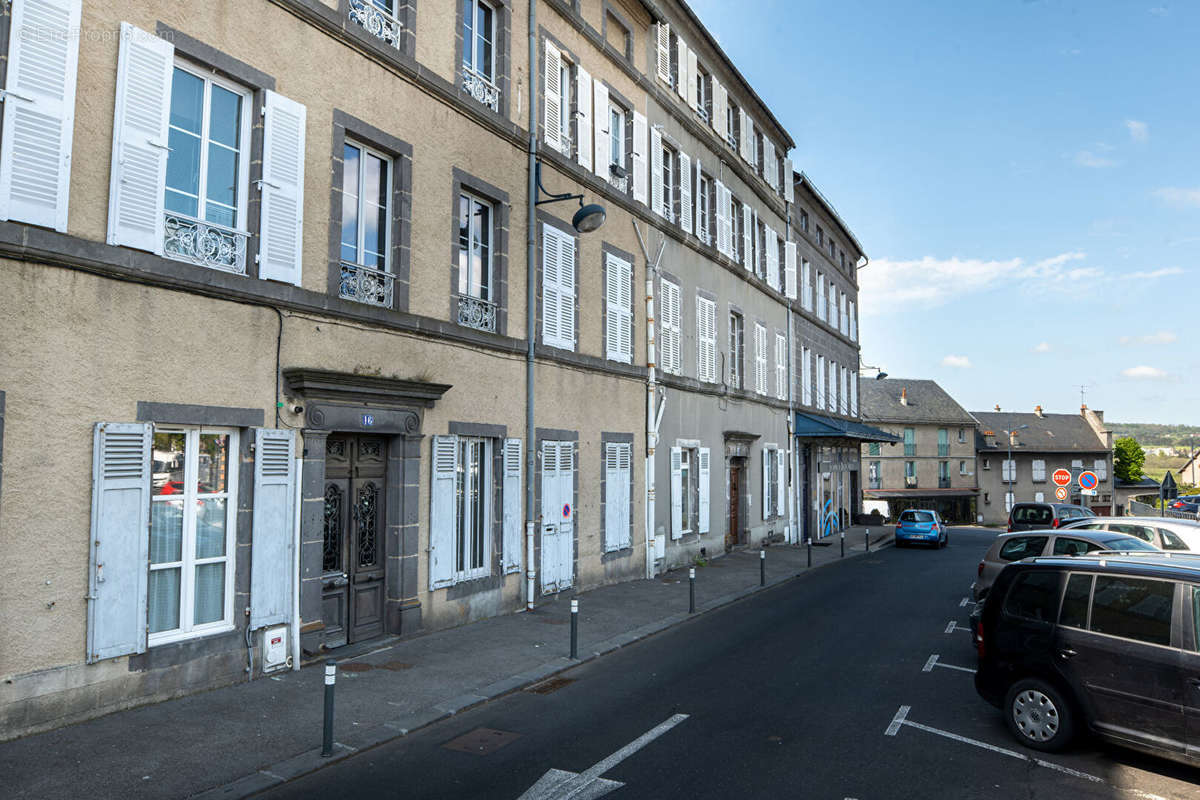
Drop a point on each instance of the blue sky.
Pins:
(1024, 175)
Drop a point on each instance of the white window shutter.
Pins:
(772, 260)
(693, 78)
(613, 501)
(853, 314)
(853, 394)
(145, 66)
(789, 269)
(566, 296)
(722, 218)
(747, 143)
(781, 384)
(583, 118)
(845, 325)
(663, 51)
(669, 354)
(685, 193)
(602, 122)
(806, 376)
(681, 55)
(788, 190)
(657, 189)
(822, 309)
(702, 475)
(701, 224)
(769, 172)
(273, 527)
(676, 492)
(618, 309)
(39, 112)
(760, 359)
(281, 237)
(558, 288)
(625, 307)
(638, 162)
(443, 517)
(767, 455)
(552, 102)
(513, 465)
(720, 121)
(833, 386)
(120, 540)
(748, 237)
(781, 481)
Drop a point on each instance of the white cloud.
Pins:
(1042, 347)
(1160, 11)
(1162, 337)
(1144, 373)
(959, 362)
(1086, 158)
(1177, 196)
(898, 286)
(1138, 130)
(1155, 273)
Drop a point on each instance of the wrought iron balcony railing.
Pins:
(910, 481)
(205, 243)
(366, 285)
(476, 313)
(943, 483)
(943, 451)
(479, 87)
(377, 22)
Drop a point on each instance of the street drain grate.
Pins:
(396, 666)
(355, 666)
(481, 741)
(552, 685)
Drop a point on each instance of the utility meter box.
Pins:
(275, 648)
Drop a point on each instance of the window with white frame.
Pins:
(687, 476)
(781, 370)
(962, 467)
(770, 482)
(706, 340)
(962, 435)
(366, 270)
(616, 133)
(852, 315)
(703, 94)
(822, 309)
(737, 229)
(473, 509)
(733, 125)
(671, 331)
(379, 18)
(1008, 470)
(737, 349)
(821, 382)
(760, 359)
(806, 291)
(833, 305)
(476, 304)
(479, 52)
(842, 315)
(1039, 469)
(833, 386)
(193, 513)
(1101, 469)
(1008, 501)
(806, 376)
(208, 167)
(669, 163)
(702, 206)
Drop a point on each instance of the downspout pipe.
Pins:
(653, 416)
(793, 503)
(530, 306)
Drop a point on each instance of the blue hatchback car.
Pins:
(924, 527)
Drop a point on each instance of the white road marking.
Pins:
(897, 721)
(935, 662)
(930, 664)
(966, 601)
(901, 719)
(953, 626)
(559, 784)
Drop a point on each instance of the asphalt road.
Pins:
(790, 693)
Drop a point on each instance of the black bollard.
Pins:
(843, 544)
(575, 629)
(810, 551)
(762, 567)
(330, 677)
(867, 539)
(692, 590)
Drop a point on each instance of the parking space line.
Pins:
(966, 601)
(935, 662)
(901, 719)
(930, 664)
(953, 626)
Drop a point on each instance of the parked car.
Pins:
(1165, 533)
(1034, 516)
(921, 526)
(1010, 547)
(1189, 504)
(1101, 642)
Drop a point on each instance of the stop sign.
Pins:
(1061, 477)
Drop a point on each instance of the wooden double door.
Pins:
(353, 559)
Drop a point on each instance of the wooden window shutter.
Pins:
(618, 309)
(558, 288)
(722, 218)
(685, 193)
(789, 270)
(748, 237)
(682, 80)
(701, 224)
(693, 79)
(772, 259)
(767, 455)
(273, 527)
(747, 136)
(702, 475)
(854, 394)
(566, 296)
(614, 517)
(281, 246)
(638, 162)
(760, 359)
(120, 540)
(657, 189)
(720, 122)
(781, 359)
(583, 120)
(663, 50)
(513, 465)
(780, 481)
(625, 307)
(39, 112)
(552, 94)
(145, 66)
(443, 516)
(676, 492)
(788, 189)
(602, 123)
(769, 171)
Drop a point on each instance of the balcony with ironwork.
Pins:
(874, 483)
(205, 243)
(364, 284)
(377, 22)
(910, 449)
(943, 451)
(618, 178)
(910, 481)
(476, 313)
(943, 483)
(480, 87)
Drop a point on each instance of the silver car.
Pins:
(1010, 547)
(1165, 533)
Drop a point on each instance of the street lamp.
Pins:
(587, 219)
(879, 373)
(1013, 479)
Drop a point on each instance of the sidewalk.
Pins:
(233, 741)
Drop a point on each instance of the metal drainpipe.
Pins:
(530, 300)
(651, 391)
(793, 505)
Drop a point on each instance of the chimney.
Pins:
(997, 406)
(904, 396)
(1038, 410)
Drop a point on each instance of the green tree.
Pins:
(1129, 458)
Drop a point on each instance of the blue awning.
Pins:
(809, 426)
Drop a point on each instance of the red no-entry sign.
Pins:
(1062, 477)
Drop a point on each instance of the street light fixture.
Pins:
(587, 219)
(879, 373)
(1012, 481)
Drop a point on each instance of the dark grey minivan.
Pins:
(1104, 642)
(1039, 516)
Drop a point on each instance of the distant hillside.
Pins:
(1151, 434)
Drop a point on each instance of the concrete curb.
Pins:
(311, 760)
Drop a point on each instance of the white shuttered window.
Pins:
(670, 328)
(618, 473)
(781, 387)
(760, 359)
(806, 287)
(706, 340)
(806, 376)
(558, 288)
(618, 296)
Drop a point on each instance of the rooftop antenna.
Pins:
(1083, 387)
